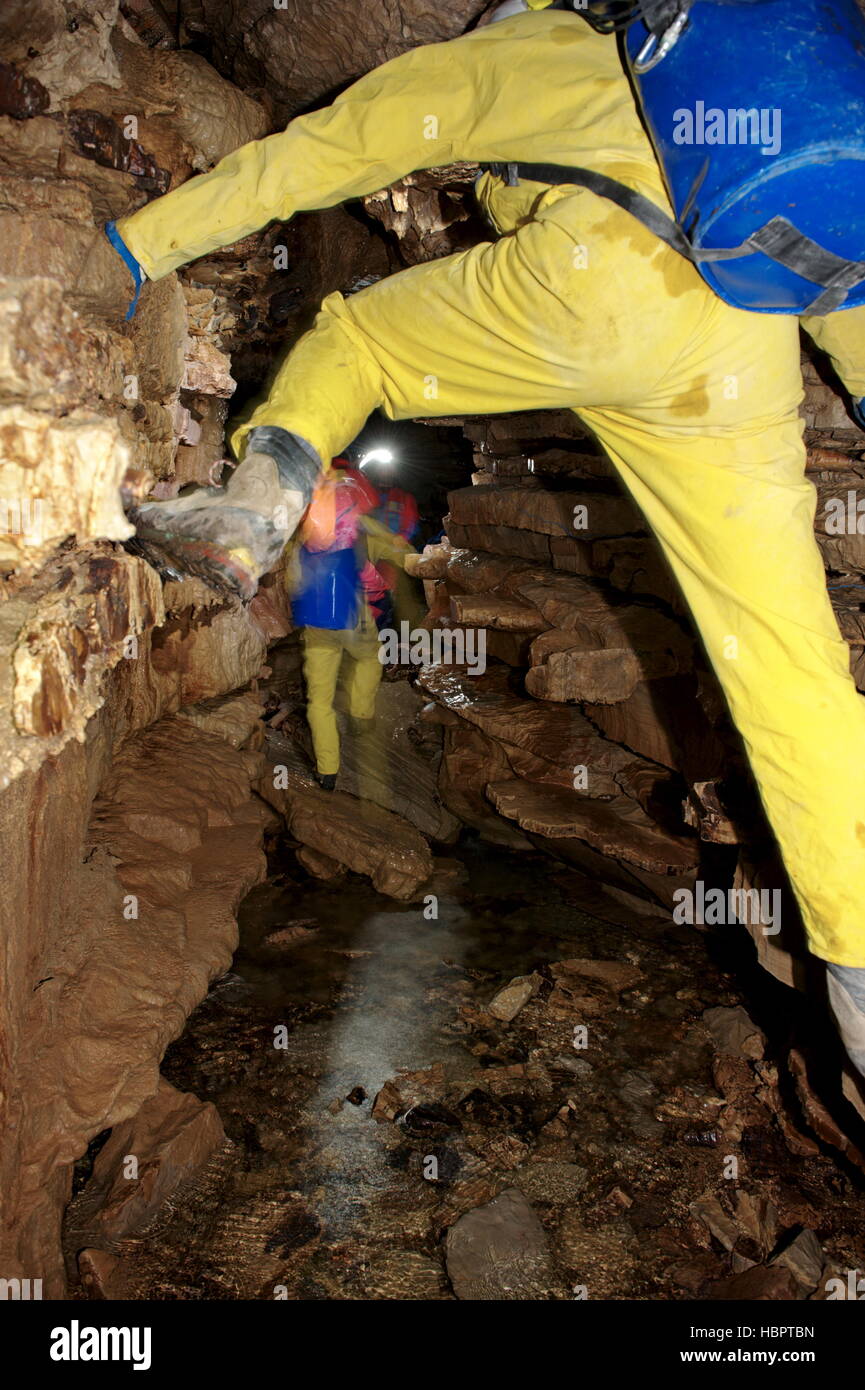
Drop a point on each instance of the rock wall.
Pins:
(126, 784)
(301, 53)
(129, 834)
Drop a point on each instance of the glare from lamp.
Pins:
(377, 456)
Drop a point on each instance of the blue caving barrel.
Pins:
(801, 59)
(329, 592)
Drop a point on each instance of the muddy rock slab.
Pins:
(563, 670)
(804, 1258)
(147, 1158)
(618, 828)
(763, 1283)
(495, 611)
(499, 1252)
(470, 761)
(546, 513)
(386, 765)
(357, 834)
(320, 865)
(507, 1003)
(547, 741)
(734, 1033)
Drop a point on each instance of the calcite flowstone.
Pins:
(178, 97)
(59, 478)
(62, 55)
(207, 645)
(63, 634)
(48, 355)
(234, 718)
(99, 612)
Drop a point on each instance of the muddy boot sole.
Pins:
(179, 557)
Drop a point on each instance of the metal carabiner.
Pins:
(647, 58)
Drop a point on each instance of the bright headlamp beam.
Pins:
(377, 456)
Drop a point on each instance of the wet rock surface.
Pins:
(499, 1251)
(356, 834)
(390, 1137)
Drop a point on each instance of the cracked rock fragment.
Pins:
(499, 1251)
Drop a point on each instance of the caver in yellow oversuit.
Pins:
(354, 651)
(578, 305)
(323, 653)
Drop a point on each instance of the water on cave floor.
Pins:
(314, 1198)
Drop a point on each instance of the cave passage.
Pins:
(483, 981)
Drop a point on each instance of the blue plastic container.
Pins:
(329, 596)
(799, 65)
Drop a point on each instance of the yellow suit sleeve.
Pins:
(415, 112)
(383, 544)
(842, 336)
(534, 86)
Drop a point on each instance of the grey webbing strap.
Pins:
(778, 239)
(634, 203)
(781, 242)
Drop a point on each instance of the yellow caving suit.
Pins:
(323, 653)
(578, 305)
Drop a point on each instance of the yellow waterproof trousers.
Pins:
(323, 652)
(696, 403)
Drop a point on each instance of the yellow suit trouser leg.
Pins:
(322, 657)
(697, 404)
(365, 672)
(737, 529)
(323, 652)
